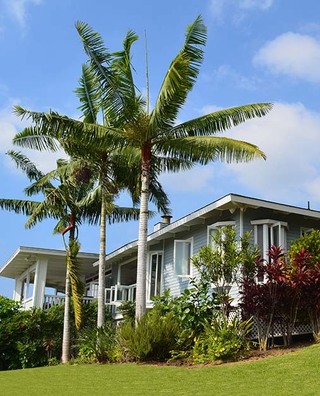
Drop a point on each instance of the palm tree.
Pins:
(150, 135)
(102, 160)
(155, 133)
(65, 204)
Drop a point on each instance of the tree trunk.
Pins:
(142, 239)
(66, 323)
(102, 258)
(66, 317)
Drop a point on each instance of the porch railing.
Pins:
(117, 294)
(50, 300)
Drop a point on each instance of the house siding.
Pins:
(240, 210)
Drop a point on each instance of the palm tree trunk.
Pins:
(141, 297)
(66, 318)
(66, 322)
(102, 257)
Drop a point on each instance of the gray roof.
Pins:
(228, 202)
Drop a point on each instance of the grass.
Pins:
(295, 373)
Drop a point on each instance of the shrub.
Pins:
(128, 310)
(98, 344)
(152, 338)
(223, 339)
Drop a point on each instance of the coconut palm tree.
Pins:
(150, 135)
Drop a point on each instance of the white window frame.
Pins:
(158, 253)
(267, 237)
(27, 288)
(190, 241)
(215, 226)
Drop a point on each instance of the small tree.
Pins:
(305, 276)
(220, 264)
(271, 301)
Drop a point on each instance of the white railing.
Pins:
(50, 300)
(27, 303)
(117, 294)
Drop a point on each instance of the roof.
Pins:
(228, 202)
(24, 257)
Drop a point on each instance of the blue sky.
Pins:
(257, 51)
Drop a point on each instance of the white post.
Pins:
(40, 282)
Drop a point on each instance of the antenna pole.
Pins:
(147, 75)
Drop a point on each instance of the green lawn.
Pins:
(295, 373)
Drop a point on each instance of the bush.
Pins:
(153, 337)
(33, 338)
(98, 344)
(222, 339)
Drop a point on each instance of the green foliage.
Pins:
(77, 285)
(192, 308)
(22, 339)
(223, 339)
(98, 344)
(128, 310)
(310, 242)
(8, 307)
(219, 263)
(152, 338)
(34, 338)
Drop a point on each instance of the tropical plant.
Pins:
(100, 159)
(152, 137)
(221, 262)
(98, 344)
(225, 339)
(62, 202)
(275, 301)
(152, 338)
(163, 145)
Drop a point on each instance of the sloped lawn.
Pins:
(294, 373)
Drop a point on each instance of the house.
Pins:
(170, 247)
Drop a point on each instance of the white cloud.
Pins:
(290, 137)
(230, 77)
(9, 126)
(293, 54)
(18, 9)
(260, 4)
(221, 8)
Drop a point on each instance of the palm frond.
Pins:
(179, 78)
(24, 163)
(100, 61)
(19, 206)
(221, 120)
(122, 214)
(73, 135)
(89, 95)
(212, 148)
(77, 287)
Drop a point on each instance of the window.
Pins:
(269, 232)
(213, 228)
(27, 285)
(155, 274)
(182, 257)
